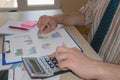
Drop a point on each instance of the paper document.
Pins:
(17, 46)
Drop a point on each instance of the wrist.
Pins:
(58, 18)
(88, 71)
(97, 70)
(104, 71)
(108, 71)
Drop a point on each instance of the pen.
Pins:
(42, 34)
(17, 27)
(47, 26)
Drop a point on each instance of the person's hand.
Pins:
(46, 24)
(73, 59)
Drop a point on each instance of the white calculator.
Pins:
(42, 67)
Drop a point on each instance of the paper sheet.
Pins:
(30, 44)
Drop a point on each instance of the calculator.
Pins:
(42, 67)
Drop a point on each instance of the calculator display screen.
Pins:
(35, 66)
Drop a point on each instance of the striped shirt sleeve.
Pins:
(87, 10)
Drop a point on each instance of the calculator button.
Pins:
(51, 58)
(52, 66)
(45, 63)
(47, 59)
(56, 65)
(47, 67)
(54, 60)
(54, 69)
(42, 59)
(49, 63)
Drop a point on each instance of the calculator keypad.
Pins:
(50, 63)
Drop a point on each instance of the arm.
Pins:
(76, 18)
(85, 67)
(108, 71)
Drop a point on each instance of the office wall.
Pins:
(72, 5)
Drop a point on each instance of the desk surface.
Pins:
(34, 15)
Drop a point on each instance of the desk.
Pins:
(34, 15)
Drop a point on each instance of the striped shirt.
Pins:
(110, 49)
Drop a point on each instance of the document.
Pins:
(17, 46)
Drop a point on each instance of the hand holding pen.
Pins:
(46, 24)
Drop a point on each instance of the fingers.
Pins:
(61, 55)
(67, 57)
(61, 61)
(63, 65)
(42, 23)
(46, 24)
(58, 52)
